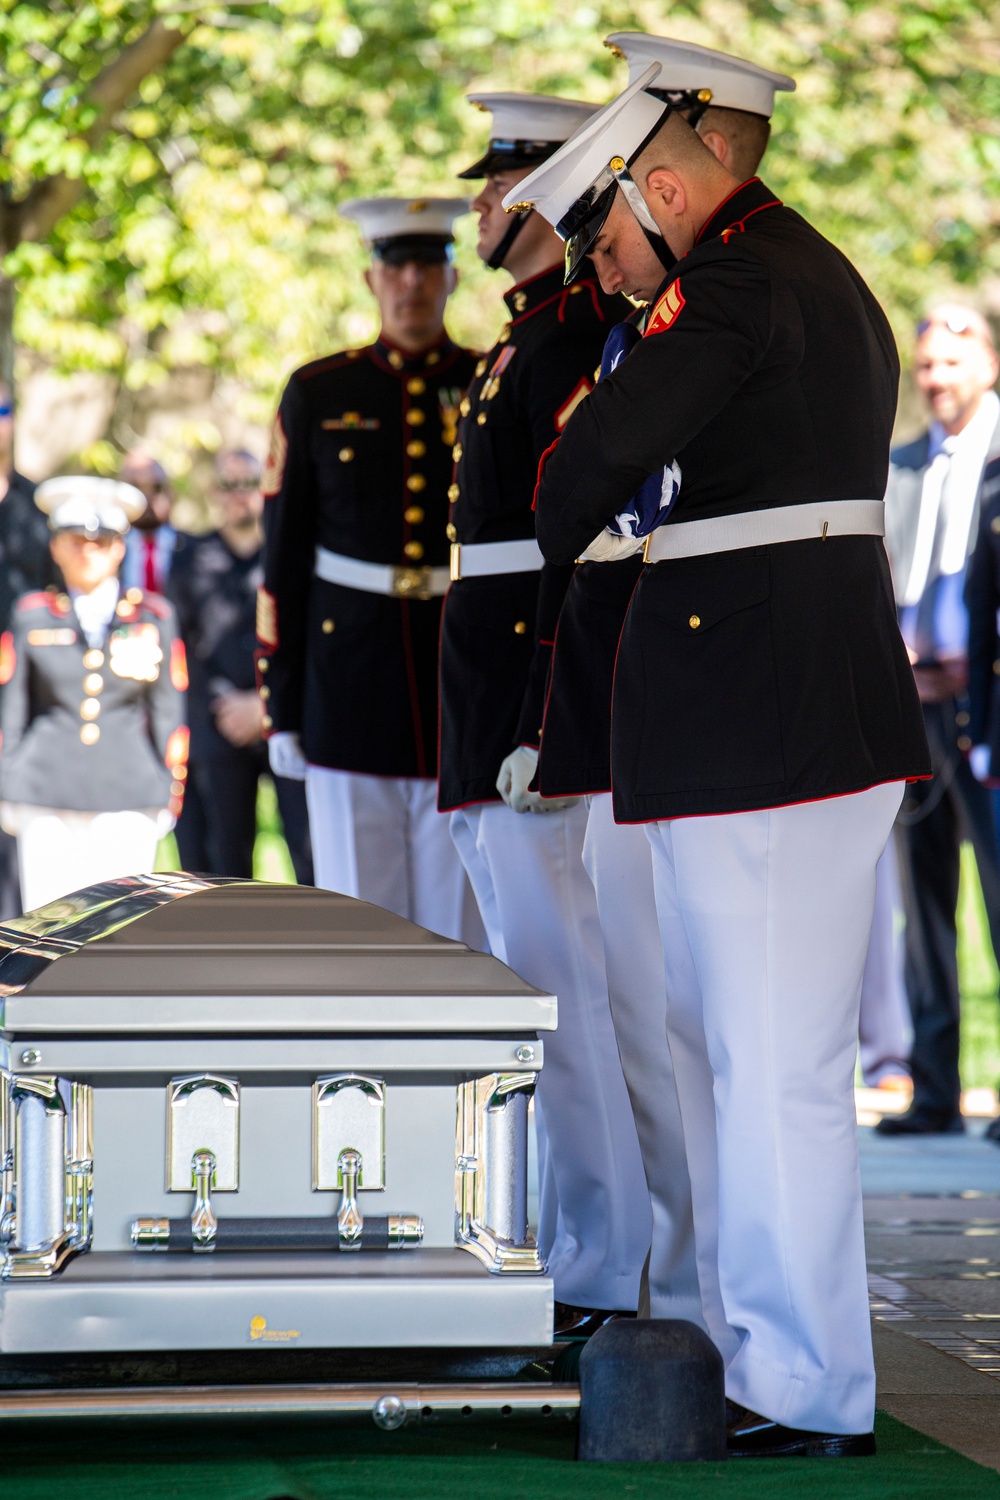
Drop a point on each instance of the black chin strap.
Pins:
(517, 222)
(666, 256)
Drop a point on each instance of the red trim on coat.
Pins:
(737, 812)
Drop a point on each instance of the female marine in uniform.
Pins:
(94, 743)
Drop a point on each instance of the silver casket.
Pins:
(237, 1115)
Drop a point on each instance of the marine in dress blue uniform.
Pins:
(760, 668)
(730, 102)
(355, 569)
(523, 855)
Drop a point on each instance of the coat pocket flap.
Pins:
(701, 596)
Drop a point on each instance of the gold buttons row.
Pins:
(93, 684)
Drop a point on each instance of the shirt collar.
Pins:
(736, 208)
(399, 362)
(528, 296)
(975, 436)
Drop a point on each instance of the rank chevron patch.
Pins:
(667, 310)
(569, 406)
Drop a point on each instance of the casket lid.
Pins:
(188, 954)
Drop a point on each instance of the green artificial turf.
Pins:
(522, 1461)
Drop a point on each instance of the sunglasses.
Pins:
(955, 323)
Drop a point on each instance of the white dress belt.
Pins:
(381, 578)
(813, 521)
(481, 559)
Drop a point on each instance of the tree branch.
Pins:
(38, 213)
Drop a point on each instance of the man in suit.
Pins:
(764, 718)
(931, 526)
(149, 545)
(213, 587)
(355, 569)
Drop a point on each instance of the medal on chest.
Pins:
(134, 652)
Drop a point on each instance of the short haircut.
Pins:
(677, 147)
(747, 134)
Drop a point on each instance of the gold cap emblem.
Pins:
(519, 208)
(617, 164)
(417, 206)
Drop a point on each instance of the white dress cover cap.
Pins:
(734, 82)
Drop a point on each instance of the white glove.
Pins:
(610, 548)
(979, 760)
(284, 751)
(516, 775)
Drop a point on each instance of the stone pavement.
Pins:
(932, 1215)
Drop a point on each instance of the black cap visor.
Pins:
(511, 156)
(426, 249)
(581, 225)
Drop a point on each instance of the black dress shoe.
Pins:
(922, 1119)
(757, 1437)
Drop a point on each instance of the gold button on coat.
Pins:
(453, 492)
(263, 664)
(416, 449)
(694, 621)
(93, 683)
(345, 455)
(451, 532)
(89, 734)
(995, 524)
(413, 515)
(89, 708)
(265, 693)
(481, 419)
(520, 628)
(267, 721)
(416, 386)
(133, 595)
(456, 452)
(415, 416)
(433, 357)
(395, 359)
(92, 659)
(504, 335)
(481, 367)
(465, 406)
(416, 483)
(327, 626)
(414, 551)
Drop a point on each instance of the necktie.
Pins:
(149, 579)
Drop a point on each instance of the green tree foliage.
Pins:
(170, 171)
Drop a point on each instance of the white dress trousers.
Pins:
(383, 840)
(541, 919)
(765, 918)
(619, 861)
(60, 851)
(886, 1027)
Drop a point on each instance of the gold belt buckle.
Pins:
(455, 562)
(412, 583)
(646, 546)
